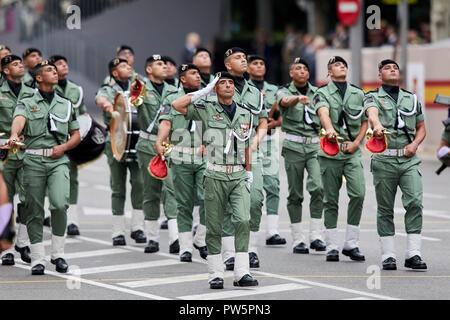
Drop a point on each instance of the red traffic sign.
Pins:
(348, 11)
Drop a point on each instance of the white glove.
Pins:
(203, 92)
(250, 179)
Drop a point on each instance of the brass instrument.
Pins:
(168, 147)
(369, 133)
(137, 93)
(323, 134)
(5, 150)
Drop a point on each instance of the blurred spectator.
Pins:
(413, 37)
(192, 43)
(390, 35)
(376, 37)
(339, 39)
(425, 32)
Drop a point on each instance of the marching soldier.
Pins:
(47, 120)
(339, 106)
(126, 53)
(252, 98)
(300, 150)
(121, 73)
(171, 71)
(74, 93)
(4, 51)
(31, 58)
(155, 103)
(202, 59)
(187, 166)
(269, 148)
(12, 90)
(228, 126)
(397, 111)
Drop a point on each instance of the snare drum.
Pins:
(124, 130)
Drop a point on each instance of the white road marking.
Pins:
(129, 266)
(244, 292)
(423, 237)
(93, 253)
(92, 211)
(68, 240)
(164, 281)
(323, 285)
(97, 284)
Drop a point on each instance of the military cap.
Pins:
(124, 47)
(302, 61)
(42, 64)
(385, 62)
(114, 63)
(337, 59)
(253, 57)
(8, 59)
(153, 58)
(57, 57)
(187, 66)
(3, 47)
(233, 50)
(198, 50)
(29, 51)
(169, 59)
(224, 75)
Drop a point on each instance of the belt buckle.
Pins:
(47, 152)
(400, 152)
(308, 140)
(229, 169)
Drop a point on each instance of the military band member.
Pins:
(46, 120)
(171, 77)
(187, 166)
(121, 73)
(126, 53)
(4, 51)
(12, 90)
(203, 60)
(236, 64)
(74, 93)
(227, 125)
(268, 147)
(31, 58)
(156, 103)
(397, 111)
(339, 106)
(300, 152)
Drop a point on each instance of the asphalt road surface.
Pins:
(100, 271)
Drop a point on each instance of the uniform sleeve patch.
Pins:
(20, 107)
(368, 99)
(200, 106)
(165, 109)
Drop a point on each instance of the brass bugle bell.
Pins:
(168, 147)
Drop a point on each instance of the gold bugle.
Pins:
(323, 133)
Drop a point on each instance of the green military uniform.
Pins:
(269, 155)
(300, 152)
(346, 115)
(28, 79)
(74, 93)
(153, 106)
(42, 172)
(118, 175)
(225, 182)
(13, 168)
(187, 167)
(175, 82)
(392, 169)
(253, 99)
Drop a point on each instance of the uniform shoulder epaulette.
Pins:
(29, 84)
(356, 87)
(407, 91)
(61, 95)
(286, 85)
(199, 105)
(243, 106)
(27, 95)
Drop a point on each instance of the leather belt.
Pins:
(228, 169)
(40, 152)
(300, 139)
(148, 136)
(394, 152)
